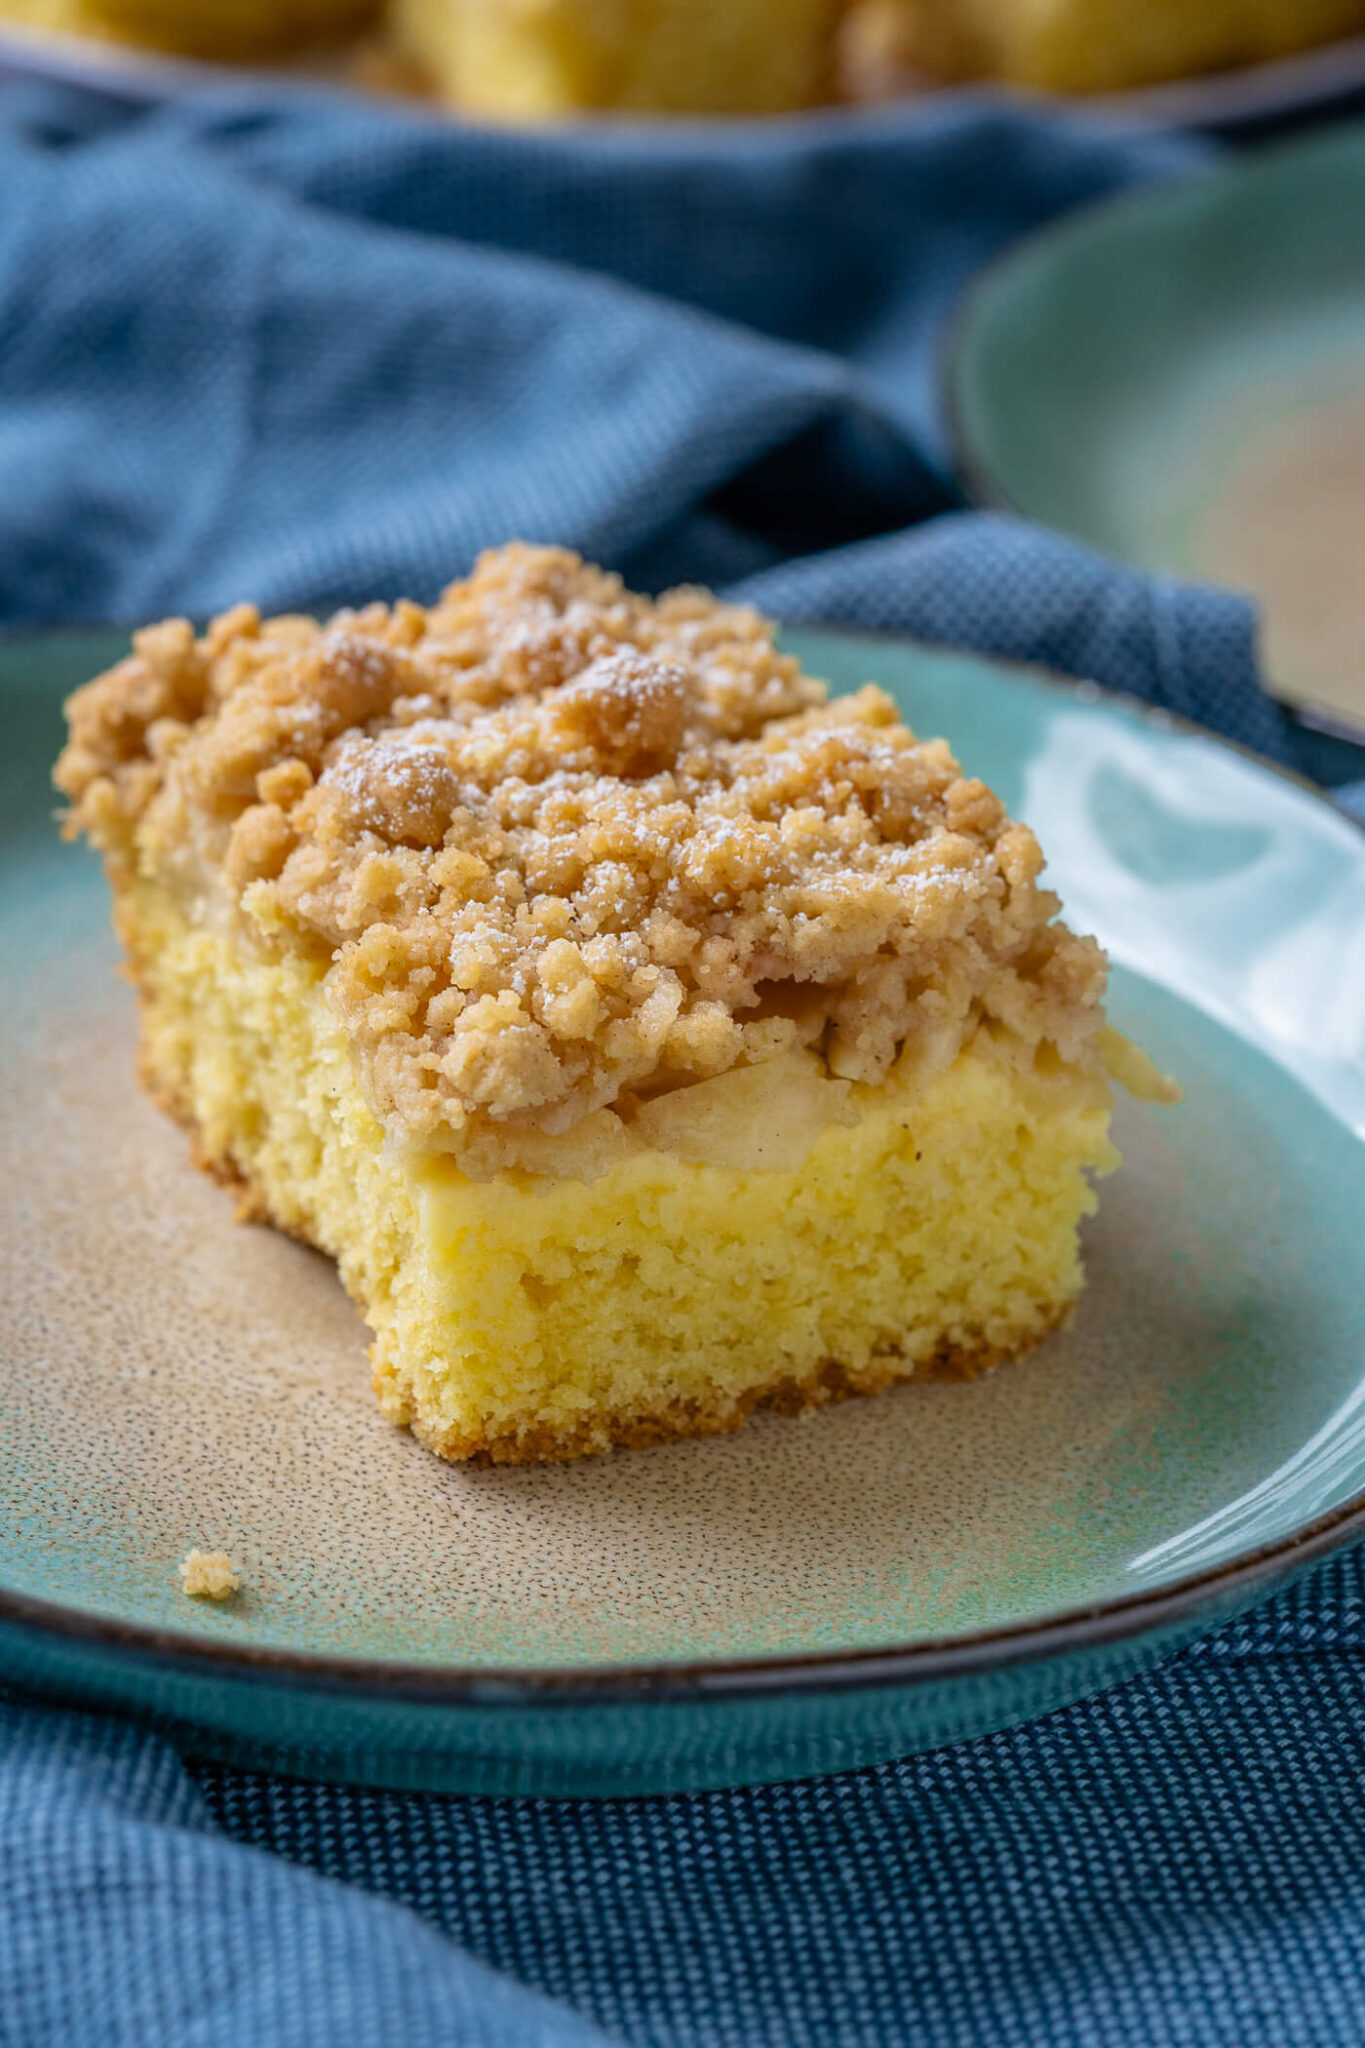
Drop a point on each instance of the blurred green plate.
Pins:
(803, 1596)
(1179, 379)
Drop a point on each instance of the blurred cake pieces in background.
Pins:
(534, 59)
(538, 60)
(1081, 46)
(229, 30)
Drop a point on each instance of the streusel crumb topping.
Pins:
(557, 847)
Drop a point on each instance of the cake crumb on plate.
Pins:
(208, 1575)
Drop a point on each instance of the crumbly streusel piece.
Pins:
(208, 1575)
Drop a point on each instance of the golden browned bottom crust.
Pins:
(830, 1381)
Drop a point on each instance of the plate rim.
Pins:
(1244, 94)
(982, 486)
(923, 1660)
(932, 1659)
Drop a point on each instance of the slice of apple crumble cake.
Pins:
(646, 1034)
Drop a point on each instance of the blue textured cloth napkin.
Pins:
(283, 348)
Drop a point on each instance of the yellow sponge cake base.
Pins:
(932, 1230)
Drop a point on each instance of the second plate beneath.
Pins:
(1179, 379)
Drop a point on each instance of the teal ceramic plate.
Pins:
(1179, 379)
(803, 1596)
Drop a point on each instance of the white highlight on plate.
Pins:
(1294, 981)
(1329, 1462)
